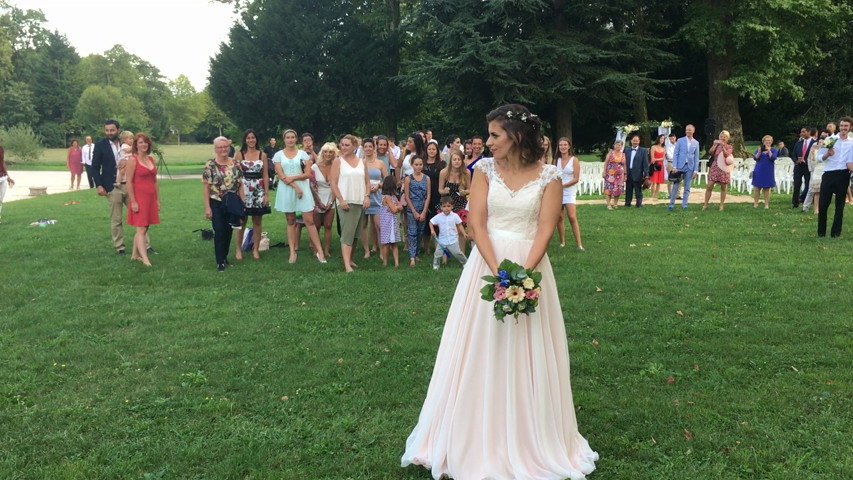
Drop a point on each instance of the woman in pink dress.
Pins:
(657, 167)
(722, 164)
(143, 195)
(75, 163)
(614, 174)
(499, 404)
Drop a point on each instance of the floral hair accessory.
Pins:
(524, 117)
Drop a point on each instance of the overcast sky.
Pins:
(176, 36)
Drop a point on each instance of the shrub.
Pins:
(52, 135)
(21, 144)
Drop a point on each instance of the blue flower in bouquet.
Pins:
(504, 278)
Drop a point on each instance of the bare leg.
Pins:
(256, 235)
(374, 232)
(573, 220)
(238, 240)
(561, 227)
(71, 187)
(139, 245)
(365, 238)
(292, 238)
(755, 192)
(708, 190)
(396, 255)
(766, 198)
(313, 236)
(383, 254)
(816, 200)
(723, 188)
(346, 255)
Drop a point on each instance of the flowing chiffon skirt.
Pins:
(499, 404)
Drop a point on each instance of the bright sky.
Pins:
(176, 36)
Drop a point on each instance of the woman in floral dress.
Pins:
(256, 181)
(614, 175)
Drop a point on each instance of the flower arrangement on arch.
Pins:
(515, 290)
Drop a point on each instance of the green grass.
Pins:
(187, 159)
(113, 370)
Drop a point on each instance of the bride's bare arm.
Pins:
(549, 215)
(477, 212)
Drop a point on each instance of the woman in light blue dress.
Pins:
(293, 169)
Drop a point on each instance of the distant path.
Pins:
(57, 182)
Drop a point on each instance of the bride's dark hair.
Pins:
(523, 127)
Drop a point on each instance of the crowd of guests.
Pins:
(418, 192)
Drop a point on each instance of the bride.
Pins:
(499, 404)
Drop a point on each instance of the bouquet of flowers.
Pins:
(829, 142)
(515, 290)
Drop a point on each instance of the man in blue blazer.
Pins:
(638, 170)
(104, 169)
(684, 163)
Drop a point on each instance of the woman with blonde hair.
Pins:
(722, 164)
(614, 174)
(764, 175)
(324, 201)
(548, 157)
(350, 184)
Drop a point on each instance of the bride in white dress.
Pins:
(499, 404)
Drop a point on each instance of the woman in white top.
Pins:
(571, 170)
(350, 183)
(324, 201)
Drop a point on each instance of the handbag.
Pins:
(646, 183)
(655, 167)
(206, 233)
(264, 244)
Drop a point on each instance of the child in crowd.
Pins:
(126, 139)
(449, 230)
(454, 180)
(417, 189)
(389, 231)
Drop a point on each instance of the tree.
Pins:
(213, 122)
(16, 105)
(55, 92)
(22, 144)
(544, 54)
(320, 66)
(759, 50)
(97, 104)
(184, 107)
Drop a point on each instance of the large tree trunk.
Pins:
(723, 102)
(641, 114)
(562, 120)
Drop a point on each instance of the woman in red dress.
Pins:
(143, 195)
(657, 166)
(75, 163)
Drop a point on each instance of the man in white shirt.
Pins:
(88, 152)
(838, 163)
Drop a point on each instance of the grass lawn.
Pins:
(704, 345)
(186, 159)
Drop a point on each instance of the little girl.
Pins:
(454, 180)
(389, 231)
(417, 200)
(126, 139)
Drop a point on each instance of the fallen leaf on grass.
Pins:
(654, 441)
(691, 403)
(696, 367)
(632, 245)
(594, 342)
(670, 379)
(679, 312)
(794, 368)
(340, 361)
(829, 382)
(687, 434)
(284, 398)
(647, 244)
(596, 289)
(707, 298)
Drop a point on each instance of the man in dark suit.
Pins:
(801, 166)
(104, 169)
(637, 158)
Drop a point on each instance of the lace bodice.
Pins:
(515, 212)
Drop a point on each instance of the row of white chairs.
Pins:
(741, 179)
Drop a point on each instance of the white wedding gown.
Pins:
(499, 404)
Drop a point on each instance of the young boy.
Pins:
(449, 229)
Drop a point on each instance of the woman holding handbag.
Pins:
(722, 164)
(657, 167)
